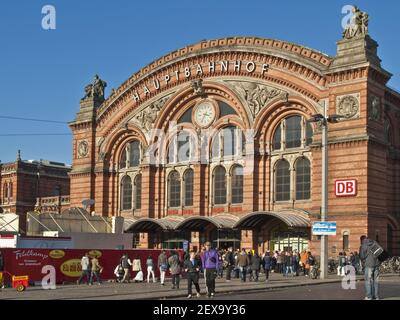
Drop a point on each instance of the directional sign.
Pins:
(324, 228)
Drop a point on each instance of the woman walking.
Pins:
(150, 267)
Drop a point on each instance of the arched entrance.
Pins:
(282, 230)
(216, 229)
(158, 233)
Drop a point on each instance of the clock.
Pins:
(205, 113)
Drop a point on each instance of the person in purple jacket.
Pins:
(210, 265)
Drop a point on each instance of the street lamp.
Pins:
(323, 121)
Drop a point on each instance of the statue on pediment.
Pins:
(358, 25)
(96, 89)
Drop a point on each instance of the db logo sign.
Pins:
(346, 188)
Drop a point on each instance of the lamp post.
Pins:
(323, 120)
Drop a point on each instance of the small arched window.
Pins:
(276, 143)
(282, 181)
(237, 184)
(134, 153)
(126, 193)
(302, 179)
(138, 192)
(188, 179)
(220, 189)
(174, 183)
(345, 240)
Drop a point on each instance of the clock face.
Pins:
(204, 114)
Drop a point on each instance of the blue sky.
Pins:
(43, 73)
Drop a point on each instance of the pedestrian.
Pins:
(126, 265)
(255, 266)
(210, 265)
(230, 263)
(371, 266)
(220, 270)
(119, 272)
(267, 265)
(342, 263)
(296, 261)
(85, 265)
(162, 266)
(303, 261)
(136, 265)
(237, 269)
(273, 262)
(1, 271)
(243, 263)
(288, 264)
(96, 270)
(150, 267)
(249, 270)
(175, 268)
(310, 262)
(192, 268)
(357, 263)
(280, 261)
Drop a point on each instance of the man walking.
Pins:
(85, 265)
(369, 252)
(192, 268)
(243, 262)
(230, 263)
(210, 265)
(126, 264)
(175, 268)
(162, 266)
(96, 270)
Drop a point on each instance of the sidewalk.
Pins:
(120, 291)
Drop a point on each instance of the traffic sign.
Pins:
(324, 228)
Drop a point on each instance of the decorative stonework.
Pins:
(358, 26)
(145, 118)
(197, 86)
(83, 149)
(95, 89)
(374, 108)
(256, 95)
(348, 106)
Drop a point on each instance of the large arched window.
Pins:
(126, 193)
(220, 185)
(188, 182)
(292, 132)
(237, 184)
(130, 155)
(174, 189)
(302, 179)
(181, 148)
(138, 192)
(282, 181)
(231, 139)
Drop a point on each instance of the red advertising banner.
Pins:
(66, 262)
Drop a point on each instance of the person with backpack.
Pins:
(150, 265)
(126, 264)
(162, 266)
(370, 254)
(175, 268)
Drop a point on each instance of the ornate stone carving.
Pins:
(374, 108)
(83, 149)
(358, 25)
(197, 86)
(96, 89)
(256, 95)
(148, 116)
(348, 106)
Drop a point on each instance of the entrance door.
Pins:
(287, 239)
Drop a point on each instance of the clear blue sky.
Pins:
(43, 73)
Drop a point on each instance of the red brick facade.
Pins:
(23, 184)
(289, 80)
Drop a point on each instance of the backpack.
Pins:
(378, 252)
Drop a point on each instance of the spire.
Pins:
(19, 155)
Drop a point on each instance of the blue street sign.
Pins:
(324, 228)
(185, 245)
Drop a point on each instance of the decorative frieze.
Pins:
(348, 106)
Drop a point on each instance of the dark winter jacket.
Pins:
(230, 259)
(267, 262)
(366, 255)
(192, 267)
(255, 262)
